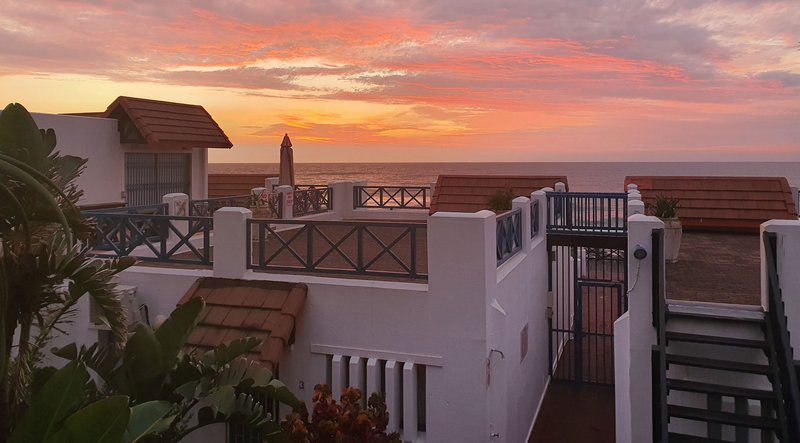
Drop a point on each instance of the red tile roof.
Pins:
(167, 125)
(225, 185)
(470, 193)
(728, 204)
(247, 308)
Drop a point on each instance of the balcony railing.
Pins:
(158, 209)
(509, 235)
(386, 249)
(265, 205)
(312, 201)
(207, 207)
(306, 187)
(153, 237)
(392, 197)
(587, 213)
(535, 219)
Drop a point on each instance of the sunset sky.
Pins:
(437, 80)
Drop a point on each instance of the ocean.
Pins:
(597, 177)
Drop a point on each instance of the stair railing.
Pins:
(776, 316)
(659, 350)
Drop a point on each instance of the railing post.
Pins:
(286, 193)
(229, 242)
(177, 204)
(271, 183)
(635, 207)
(342, 198)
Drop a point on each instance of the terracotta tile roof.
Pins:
(247, 308)
(728, 204)
(470, 193)
(224, 185)
(167, 125)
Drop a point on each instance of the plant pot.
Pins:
(673, 234)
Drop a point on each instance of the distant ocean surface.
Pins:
(582, 176)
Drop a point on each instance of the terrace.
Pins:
(720, 258)
(344, 229)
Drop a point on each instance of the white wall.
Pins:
(788, 233)
(522, 294)
(98, 140)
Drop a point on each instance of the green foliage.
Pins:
(45, 267)
(500, 201)
(150, 390)
(218, 386)
(346, 421)
(665, 208)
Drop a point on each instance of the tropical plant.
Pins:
(500, 201)
(346, 422)
(665, 208)
(45, 267)
(186, 391)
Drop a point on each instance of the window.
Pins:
(149, 176)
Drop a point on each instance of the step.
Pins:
(715, 340)
(726, 418)
(728, 391)
(674, 437)
(725, 365)
(708, 316)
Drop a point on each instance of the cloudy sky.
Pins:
(435, 80)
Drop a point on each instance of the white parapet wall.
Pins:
(634, 337)
(788, 252)
(463, 356)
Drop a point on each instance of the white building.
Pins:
(139, 150)
(461, 319)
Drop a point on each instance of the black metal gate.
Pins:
(148, 176)
(587, 239)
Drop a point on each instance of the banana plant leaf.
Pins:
(148, 418)
(56, 400)
(103, 421)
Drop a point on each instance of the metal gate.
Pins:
(587, 239)
(148, 176)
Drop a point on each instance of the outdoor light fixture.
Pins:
(640, 253)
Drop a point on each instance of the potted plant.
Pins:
(500, 201)
(666, 209)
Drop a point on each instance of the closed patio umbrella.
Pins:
(287, 162)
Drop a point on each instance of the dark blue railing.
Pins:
(535, 219)
(312, 200)
(206, 207)
(157, 209)
(153, 237)
(587, 213)
(387, 249)
(509, 235)
(391, 197)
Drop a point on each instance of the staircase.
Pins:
(722, 374)
(722, 381)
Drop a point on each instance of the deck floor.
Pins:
(575, 413)
(718, 268)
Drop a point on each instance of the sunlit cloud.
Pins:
(588, 81)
